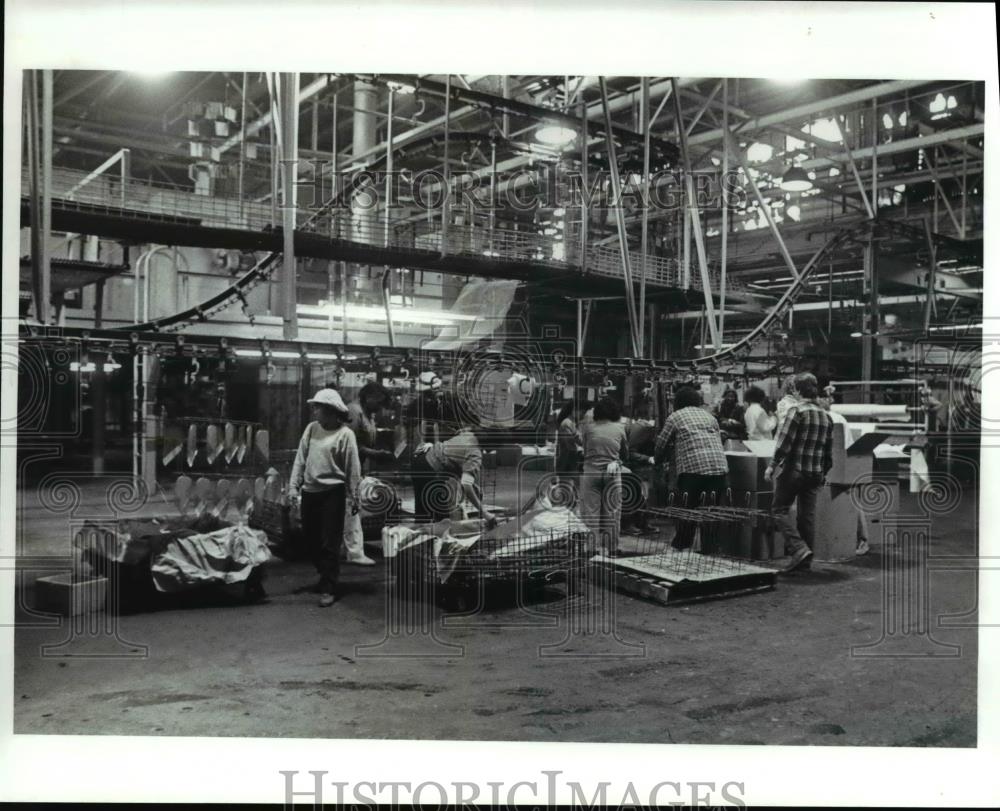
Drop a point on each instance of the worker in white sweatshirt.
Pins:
(325, 478)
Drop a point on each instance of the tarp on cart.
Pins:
(539, 536)
(223, 557)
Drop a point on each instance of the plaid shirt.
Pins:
(805, 440)
(691, 437)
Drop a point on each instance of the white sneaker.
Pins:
(360, 560)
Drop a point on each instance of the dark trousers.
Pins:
(694, 485)
(792, 487)
(633, 501)
(323, 528)
(435, 493)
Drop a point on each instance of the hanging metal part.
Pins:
(616, 186)
(386, 299)
(692, 203)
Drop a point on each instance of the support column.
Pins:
(869, 342)
(363, 140)
(288, 96)
(46, 230)
(616, 187)
(645, 212)
(725, 215)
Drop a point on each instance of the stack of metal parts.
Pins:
(718, 563)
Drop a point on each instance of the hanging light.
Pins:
(554, 135)
(796, 179)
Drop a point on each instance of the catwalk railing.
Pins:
(499, 243)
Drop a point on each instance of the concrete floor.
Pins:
(772, 668)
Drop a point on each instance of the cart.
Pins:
(438, 567)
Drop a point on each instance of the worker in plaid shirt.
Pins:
(692, 442)
(803, 455)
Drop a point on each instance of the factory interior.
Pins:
(523, 368)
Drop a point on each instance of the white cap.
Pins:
(329, 397)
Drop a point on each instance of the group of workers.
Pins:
(594, 454)
(339, 447)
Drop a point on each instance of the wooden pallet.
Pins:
(668, 578)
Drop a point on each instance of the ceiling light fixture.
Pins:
(795, 179)
(554, 135)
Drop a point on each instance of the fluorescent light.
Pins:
(357, 312)
(554, 135)
(559, 212)
(247, 353)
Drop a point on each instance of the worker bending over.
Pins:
(444, 472)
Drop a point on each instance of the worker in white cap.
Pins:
(325, 478)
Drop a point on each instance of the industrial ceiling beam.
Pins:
(510, 106)
(81, 88)
(812, 108)
(896, 147)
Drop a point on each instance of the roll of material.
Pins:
(869, 410)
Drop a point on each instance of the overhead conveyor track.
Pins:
(152, 332)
